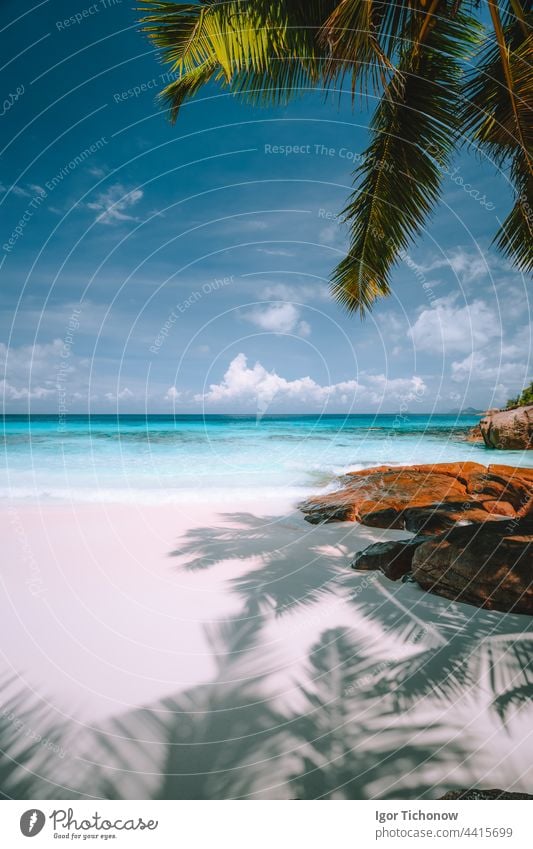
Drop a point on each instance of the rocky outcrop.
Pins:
(509, 429)
(473, 526)
(474, 435)
(489, 565)
(473, 793)
(426, 499)
(394, 559)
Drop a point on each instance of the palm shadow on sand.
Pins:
(372, 712)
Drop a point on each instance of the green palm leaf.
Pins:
(498, 117)
(263, 51)
(412, 56)
(414, 131)
(362, 39)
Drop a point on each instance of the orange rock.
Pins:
(489, 565)
(426, 498)
(499, 508)
(473, 553)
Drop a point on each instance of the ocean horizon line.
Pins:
(251, 415)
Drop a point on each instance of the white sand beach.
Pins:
(265, 666)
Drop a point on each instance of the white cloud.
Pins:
(500, 370)
(378, 387)
(298, 293)
(392, 325)
(124, 395)
(303, 329)
(28, 191)
(445, 327)
(20, 192)
(253, 225)
(331, 235)
(39, 359)
(279, 318)
(490, 368)
(172, 394)
(469, 266)
(30, 371)
(113, 203)
(97, 172)
(241, 383)
(52, 374)
(274, 252)
(248, 386)
(8, 392)
(520, 344)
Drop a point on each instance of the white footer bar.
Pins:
(267, 824)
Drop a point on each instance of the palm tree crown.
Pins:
(418, 58)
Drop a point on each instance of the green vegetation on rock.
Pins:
(524, 399)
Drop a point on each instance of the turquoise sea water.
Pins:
(158, 458)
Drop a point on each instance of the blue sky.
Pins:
(159, 267)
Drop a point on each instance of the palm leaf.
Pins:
(362, 39)
(413, 132)
(262, 50)
(516, 698)
(515, 237)
(266, 51)
(498, 117)
(35, 760)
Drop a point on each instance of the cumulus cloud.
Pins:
(467, 266)
(490, 368)
(52, 376)
(279, 318)
(8, 392)
(247, 386)
(172, 394)
(500, 370)
(112, 204)
(447, 327)
(124, 395)
(30, 371)
(379, 387)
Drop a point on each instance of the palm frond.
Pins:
(516, 698)
(515, 237)
(495, 119)
(515, 10)
(267, 51)
(414, 130)
(498, 117)
(262, 50)
(362, 40)
(35, 762)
